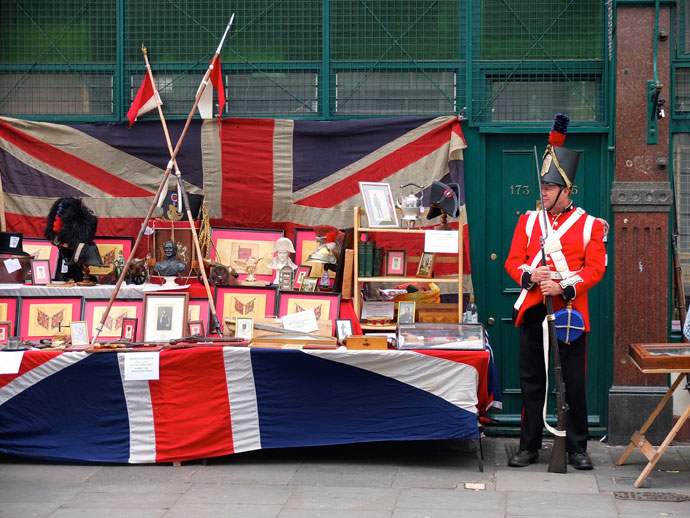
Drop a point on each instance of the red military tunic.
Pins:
(583, 249)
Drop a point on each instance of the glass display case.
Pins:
(470, 337)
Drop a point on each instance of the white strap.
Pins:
(587, 230)
(545, 338)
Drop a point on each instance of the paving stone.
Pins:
(448, 477)
(332, 513)
(33, 472)
(261, 473)
(428, 499)
(573, 481)
(558, 504)
(148, 473)
(358, 498)
(340, 475)
(27, 510)
(237, 494)
(108, 513)
(12, 491)
(216, 510)
(123, 500)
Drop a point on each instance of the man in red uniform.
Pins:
(576, 260)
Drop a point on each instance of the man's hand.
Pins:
(550, 288)
(542, 273)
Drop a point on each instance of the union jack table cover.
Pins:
(214, 401)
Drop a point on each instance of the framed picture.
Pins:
(326, 306)
(5, 330)
(42, 317)
(40, 271)
(301, 273)
(9, 310)
(343, 328)
(244, 328)
(110, 249)
(406, 312)
(120, 310)
(246, 301)
(286, 278)
(79, 333)
(42, 249)
(426, 265)
(234, 246)
(378, 204)
(396, 261)
(129, 329)
(165, 316)
(196, 327)
(308, 284)
(199, 309)
(305, 245)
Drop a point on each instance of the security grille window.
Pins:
(532, 59)
(682, 92)
(681, 171)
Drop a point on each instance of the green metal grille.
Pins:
(320, 59)
(532, 59)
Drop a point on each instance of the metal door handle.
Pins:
(490, 321)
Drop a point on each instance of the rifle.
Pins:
(558, 463)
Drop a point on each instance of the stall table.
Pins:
(213, 401)
(663, 358)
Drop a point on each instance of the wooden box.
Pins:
(366, 342)
(17, 276)
(661, 357)
(437, 313)
(325, 327)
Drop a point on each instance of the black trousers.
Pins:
(533, 381)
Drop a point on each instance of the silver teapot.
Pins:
(410, 205)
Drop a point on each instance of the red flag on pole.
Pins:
(144, 101)
(217, 81)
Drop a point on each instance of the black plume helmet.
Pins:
(70, 222)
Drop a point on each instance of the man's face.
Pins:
(550, 193)
(169, 248)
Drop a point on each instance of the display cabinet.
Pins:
(405, 233)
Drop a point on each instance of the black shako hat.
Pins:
(171, 206)
(11, 243)
(559, 164)
(444, 198)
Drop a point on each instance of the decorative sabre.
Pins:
(158, 198)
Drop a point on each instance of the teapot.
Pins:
(410, 205)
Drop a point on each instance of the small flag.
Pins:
(145, 100)
(206, 101)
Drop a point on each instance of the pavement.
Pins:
(413, 479)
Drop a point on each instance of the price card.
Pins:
(141, 366)
(302, 321)
(10, 361)
(12, 265)
(441, 241)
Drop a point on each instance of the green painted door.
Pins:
(511, 181)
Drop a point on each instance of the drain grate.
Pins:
(651, 496)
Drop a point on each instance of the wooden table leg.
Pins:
(635, 441)
(660, 451)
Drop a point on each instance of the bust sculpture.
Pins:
(283, 248)
(170, 266)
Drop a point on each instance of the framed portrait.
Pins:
(406, 312)
(396, 261)
(9, 310)
(79, 333)
(245, 301)
(244, 327)
(42, 249)
(305, 245)
(301, 273)
(379, 204)
(326, 306)
(165, 316)
(110, 249)
(199, 309)
(42, 317)
(343, 328)
(129, 329)
(234, 247)
(196, 327)
(426, 265)
(5, 330)
(120, 310)
(40, 272)
(308, 284)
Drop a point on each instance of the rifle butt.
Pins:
(558, 463)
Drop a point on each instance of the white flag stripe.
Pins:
(244, 413)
